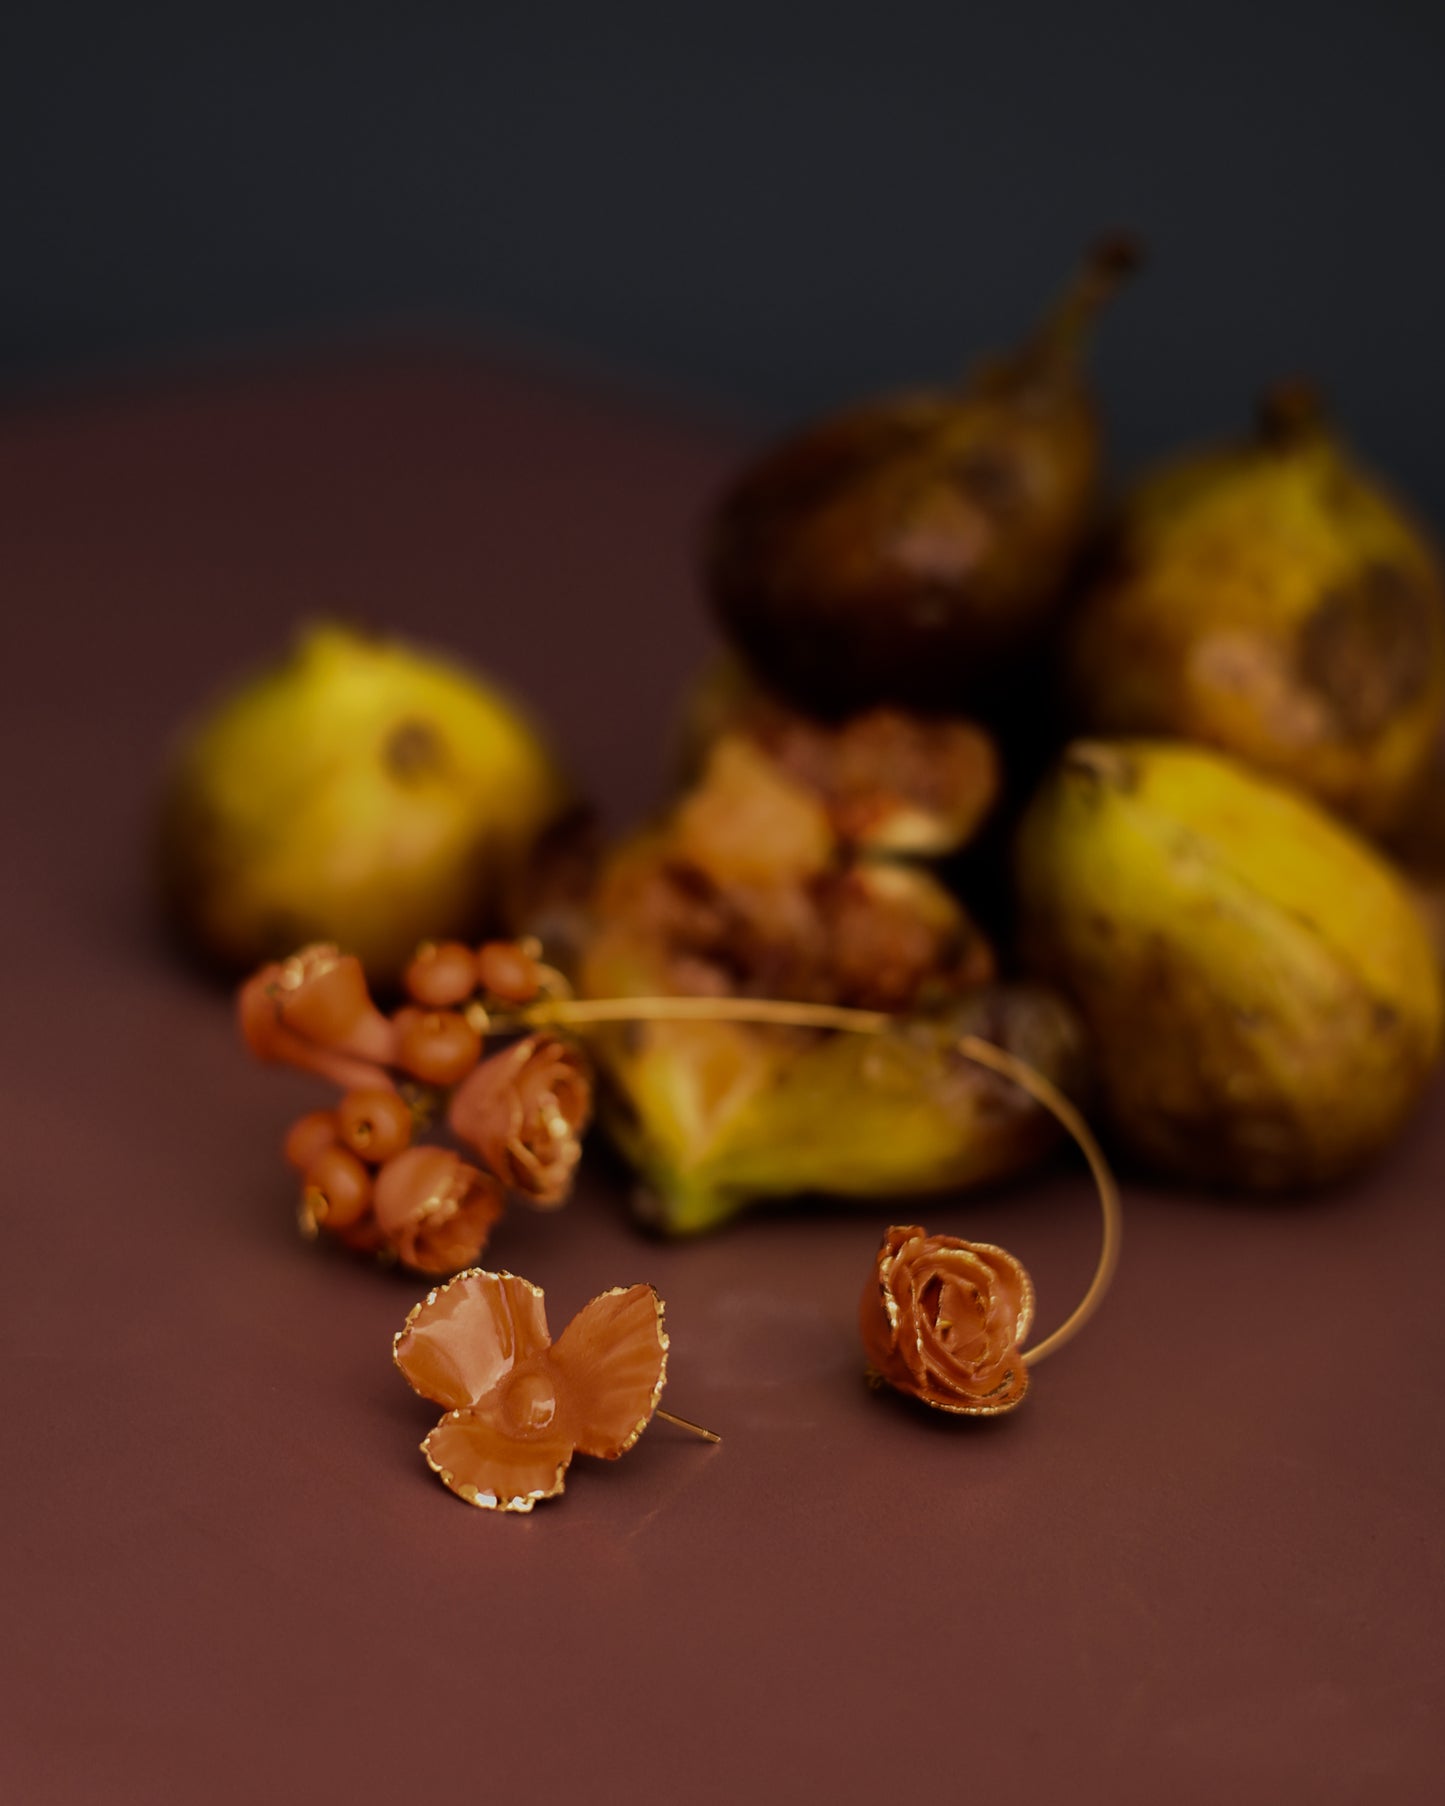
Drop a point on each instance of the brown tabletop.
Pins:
(1203, 1561)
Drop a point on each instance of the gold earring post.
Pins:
(686, 1423)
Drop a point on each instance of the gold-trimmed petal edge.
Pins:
(489, 1501)
(1027, 1296)
(664, 1343)
(436, 1292)
(1014, 1385)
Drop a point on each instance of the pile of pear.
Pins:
(1217, 701)
(1217, 874)
(1147, 789)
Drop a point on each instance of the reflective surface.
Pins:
(1208, 1546)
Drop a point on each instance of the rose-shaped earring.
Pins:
(520, 1405)
(944, 1320)
(525, 1110)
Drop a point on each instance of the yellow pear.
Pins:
(1262, 994)
(360, 792)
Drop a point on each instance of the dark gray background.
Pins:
(771, 206)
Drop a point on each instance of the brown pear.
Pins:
(908, 549)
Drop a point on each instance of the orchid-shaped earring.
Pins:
(519, 1405)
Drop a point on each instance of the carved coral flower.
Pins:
(435, 1211)
(519, 1405)
(524, 1111)
(942, 1320)
(314, 1011)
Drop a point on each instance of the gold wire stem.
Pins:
(579, 1012)
(1045, 1092)
(686, 1423)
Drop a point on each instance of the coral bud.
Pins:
(373, 1124)
(307, 1136)
(338, 1191)
(509, 971)
(437, 1046)
(441, 973)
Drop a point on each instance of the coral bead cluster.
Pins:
(515, 1114)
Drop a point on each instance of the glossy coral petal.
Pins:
(611, 1365)
(442, 1245)
(466, 1336)
(435, 1210)
(322, 996)
(269, 1038)
(486, 1467)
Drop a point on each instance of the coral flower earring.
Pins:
(520, 1405)
(943, 1320)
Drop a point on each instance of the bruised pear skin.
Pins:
(360, 792)
(905, 550)
(1417, 848)
(1273, 600)
(1261, 993)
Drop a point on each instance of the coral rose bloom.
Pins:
(434, 1211)
(524, 1111)
(942, 1320)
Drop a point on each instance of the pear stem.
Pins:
(1290, 414)
(1060, 337)
(579, 1012)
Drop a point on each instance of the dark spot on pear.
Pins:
(1368, 647)
(414, 751)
